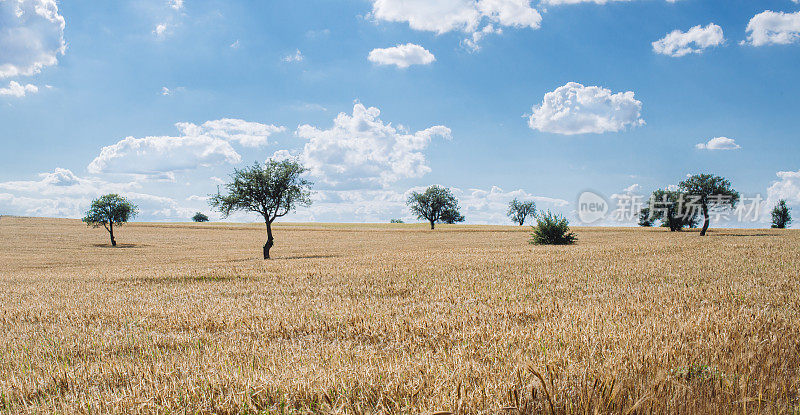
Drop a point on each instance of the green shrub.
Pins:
(552, 229)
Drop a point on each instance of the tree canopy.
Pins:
(709, 192)
(436, 205)
(200, 217)
(110, 210)
(519, 210)
(781, 218)
(273, 190)
(671, 208)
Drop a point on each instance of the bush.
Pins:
(396, 221)
(552, 229)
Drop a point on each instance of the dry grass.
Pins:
(379, 318)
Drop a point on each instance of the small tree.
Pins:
(518, 211)
(710, 192)
(672, 208)
(781, 218)
(396, 221)
(272, 190)
(200, 217)
(552, 229)
(110, 210)
(436, 204)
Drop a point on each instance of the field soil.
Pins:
(186, 318)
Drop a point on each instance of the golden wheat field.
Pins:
(185, 318)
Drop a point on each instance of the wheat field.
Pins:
(185, 318)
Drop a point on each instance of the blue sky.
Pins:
(494, 98)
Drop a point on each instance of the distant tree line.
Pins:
(277, 188)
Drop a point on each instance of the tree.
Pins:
(781, 218)
(671, 208)
(710, 192)
(552, 229)
(273, 191)
(110, 210)
(518, 210)
(396, 221)
(436, 204)
(200, 217)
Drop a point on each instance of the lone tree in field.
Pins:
(781, 218)
(552, 229)
(710, 192)
(435, 204)
(110, 210)
(200, 217)
(518, 210)
(272, 190)
(671, 208)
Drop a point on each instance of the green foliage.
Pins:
(200, 217)
(518, 210)
(436, 205)
(552, 229)
(672, 208)
(710, 192)
(110, 210)
(272, 190)
(396, 221)
(781, 218)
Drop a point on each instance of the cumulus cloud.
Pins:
(31, 36)
(696, 40)
(577, 109)
(361, 150)
(718, 143)
(402, 56)
(444, 16)
(197, 145)
(18, 90)
(770, 28)
(176, 4)
(246, 133)
(786, 187)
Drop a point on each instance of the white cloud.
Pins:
(165, 91)
(402, 56)
(787, 187)
(161, 30)
(577, 109)
(176, 4)
(17, 90)
(472, 43)
(297, 56)
(514, 13)
(361, 150)
(31, 36)
(246, 133)
(235, 45)
(718, 143)
(155, 156)
(198, 145)
(770, 27)
(696, 40)
(444, 16)
(561, 2)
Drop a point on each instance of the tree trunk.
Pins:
(270, 241)
(432, 223)
(111, 232)
(706, 221)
